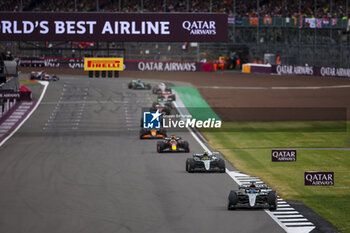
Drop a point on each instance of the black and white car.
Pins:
(206, 162)
(252, 196)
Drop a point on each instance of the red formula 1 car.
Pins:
(173, 144)
(41, 75)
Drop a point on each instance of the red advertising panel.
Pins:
(157, 27)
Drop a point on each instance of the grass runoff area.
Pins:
(247, 145)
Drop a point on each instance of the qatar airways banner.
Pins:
(129, 65)
(311, 71)
(145, 27)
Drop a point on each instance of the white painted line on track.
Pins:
(239, 178)
(45, 84)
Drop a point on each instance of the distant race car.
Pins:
(161, 107)
(41, 75)
(206, 162)
(167, 95)
(137, 84)
(173, 144)
(160, 87)
(153, 133)
(163, 102)
(252, 196)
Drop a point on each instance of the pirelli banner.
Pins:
(103, 64)
(147, 27)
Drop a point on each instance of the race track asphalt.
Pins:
(78, 165)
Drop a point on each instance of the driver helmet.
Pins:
(173, 137)
(252, 185)
(205, 153)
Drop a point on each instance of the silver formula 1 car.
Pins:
(252, 196)
(206, 162)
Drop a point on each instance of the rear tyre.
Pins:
(272, 200)
(142, 133)
(129, 85)
(232, 200)
(160, 147)
(186, 147)
(221, 164)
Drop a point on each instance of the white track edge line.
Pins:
(45, 84)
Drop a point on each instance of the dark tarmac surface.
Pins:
(77, 165)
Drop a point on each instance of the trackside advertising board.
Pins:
(103, 63)
(150, 27)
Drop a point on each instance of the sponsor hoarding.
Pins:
(103, 63)
(284, 155)
(319, 178)
(5, 95)
(82, 26)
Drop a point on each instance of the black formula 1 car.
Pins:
(173, 144)
(252, 196)
(161, 107)
(153, 133)
(206, 162)
(43, 76)
(137, 84)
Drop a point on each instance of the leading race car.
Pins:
(206, 162)
(41, 75)
(252, 196)
(173, 144)
(137, 84)
(153, 133)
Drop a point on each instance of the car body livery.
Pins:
(252, 196)
(137, 84)
(206, 163)
(153, 133)
(41, 75)
(173, 144)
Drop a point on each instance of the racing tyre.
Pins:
(129, 85)
(186, 147)
(142, 133)
(173, 97)
(166, 111)
(232, 200)
(221, 164)
(154, 90)
(160, 147)
(190, 165)
(272, 200)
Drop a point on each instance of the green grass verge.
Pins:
(247, 145)
(25, 81)
(195, 104)
(249, 150)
